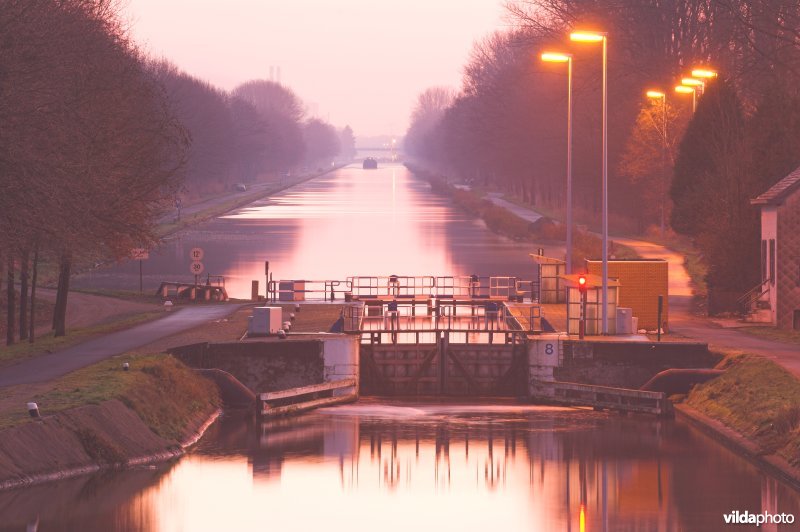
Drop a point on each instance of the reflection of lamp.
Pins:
(594, 37)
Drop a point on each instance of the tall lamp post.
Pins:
(696, 84)
(655, 95)
(554, 57)
(595, 37)
(683, 89)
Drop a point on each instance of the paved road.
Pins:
(56, 364)
(681, 320)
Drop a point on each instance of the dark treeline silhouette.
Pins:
(88, 144)
(507, 126)
(96, 140)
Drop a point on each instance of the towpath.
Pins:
(681, 320)
(52, 365)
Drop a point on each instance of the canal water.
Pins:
(387, 465)
(350, 222)
(417, 467)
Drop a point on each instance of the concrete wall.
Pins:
(268, 365)
(628, 364)
(262, 366)
(340, 355)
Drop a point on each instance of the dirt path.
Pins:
(86, 310)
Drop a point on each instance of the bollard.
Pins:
(287, 325)
(297, 307)
(33, 410)
(282, 334)
(125, 366)
(291, 316)
(167, 305)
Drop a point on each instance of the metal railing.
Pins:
(748, 302)
(401, 287)
(302, 289)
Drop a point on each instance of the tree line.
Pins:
(96, 140)
(506, 126)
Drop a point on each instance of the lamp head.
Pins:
(704, 73)
(556, 57)
(691, 82)
(655, 94)
(683, 89)
(587, 36)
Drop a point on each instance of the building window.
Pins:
(772, 261)
(763, 261)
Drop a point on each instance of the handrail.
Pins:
(752, 296)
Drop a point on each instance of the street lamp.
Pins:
(553, 57)
(594, 37)
(663, 97)
(704, 73)
(692, 82)
(683, 89)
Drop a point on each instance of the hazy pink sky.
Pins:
(356, 62)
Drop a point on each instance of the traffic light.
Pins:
(582, 284)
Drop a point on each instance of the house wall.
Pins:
(787, 261)
(769, 231)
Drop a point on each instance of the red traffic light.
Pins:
(582, 283)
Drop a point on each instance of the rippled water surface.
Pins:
(406, 467)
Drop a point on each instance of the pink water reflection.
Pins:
(352, 222)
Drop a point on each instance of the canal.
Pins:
(349, 222)
(391, 465)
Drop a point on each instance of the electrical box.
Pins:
(265, 320)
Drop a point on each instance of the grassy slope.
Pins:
(162, 391)
(757, 398)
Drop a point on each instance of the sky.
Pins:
(353, 62)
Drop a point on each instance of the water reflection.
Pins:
(348, 222)
(422, 467)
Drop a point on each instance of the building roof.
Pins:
(779, 191)
(541, 259)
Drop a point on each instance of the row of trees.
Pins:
(96, 139)
(88, 143)
(507, 125)
(258, 129)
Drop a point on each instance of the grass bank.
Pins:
(103, 417)
(159, 388)
(759, 400)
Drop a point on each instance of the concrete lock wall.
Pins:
(545, 354)
(340, 359)
(271, 365)
(627, 364)
(263, 366)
